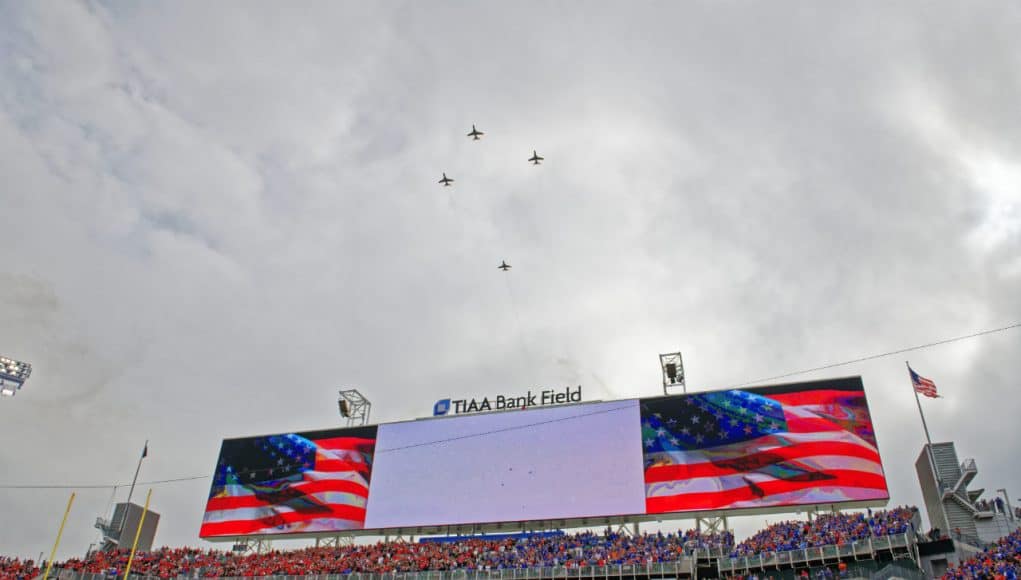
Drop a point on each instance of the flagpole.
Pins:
(124, 518)
(146, 448)
(932, 456)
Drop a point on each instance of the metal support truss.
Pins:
(354, 407)
(711, 525)
(628, 530)
(812, 513)
(673, 371)
(335, 542)
(254, 545)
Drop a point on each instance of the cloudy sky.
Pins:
(216, 215)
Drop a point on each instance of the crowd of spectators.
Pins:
(693, 540)
(1001, 560)
(584, 549)
(15, 569)
(481, 553)
(826, 530)
(992, 505)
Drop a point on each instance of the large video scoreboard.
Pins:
(741, 450)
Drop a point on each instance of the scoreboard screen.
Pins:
(739, 449)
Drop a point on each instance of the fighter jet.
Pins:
(475, 134)
(504, 266)
(446, 181)
(535, 159)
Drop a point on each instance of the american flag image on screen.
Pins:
(291, 483)
(760, 447)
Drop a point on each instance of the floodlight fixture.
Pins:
(13, 375)
(354, 407)
(673, 371)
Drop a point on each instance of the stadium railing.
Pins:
(866, 549)
(683, 567)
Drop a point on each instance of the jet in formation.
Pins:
(535, 159)
(475, 134)
(446, 181)
(504, 265)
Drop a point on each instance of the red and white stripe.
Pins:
(925, 386)
(340, 482)
(738, 474)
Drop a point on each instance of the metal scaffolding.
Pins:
(354, 407)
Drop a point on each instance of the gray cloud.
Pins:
(216, 215)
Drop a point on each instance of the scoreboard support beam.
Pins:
(813, 513)
(711, 525)
(335, 542)
(256, 545)
(628, 529)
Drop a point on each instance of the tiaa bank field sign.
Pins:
(502, 402)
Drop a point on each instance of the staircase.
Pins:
(111, 531)
(964, 497)
(968, 472)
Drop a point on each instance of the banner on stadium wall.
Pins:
(740, 449)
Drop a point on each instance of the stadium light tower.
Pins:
(354, 407)
(673, 371)
(13, 375)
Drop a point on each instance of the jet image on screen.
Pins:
(760, 447)
(291, 483)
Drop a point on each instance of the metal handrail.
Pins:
(685, 566)
(869, 547)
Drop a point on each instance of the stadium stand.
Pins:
(15, 569)
(1001, 559)
(588, 550)
(827, 530)
(584, 549)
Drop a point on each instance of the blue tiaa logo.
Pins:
(442, 407)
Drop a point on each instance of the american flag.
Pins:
(289, 483)
(756, 448)
(923, 385)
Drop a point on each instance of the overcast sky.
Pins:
(215, 215)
